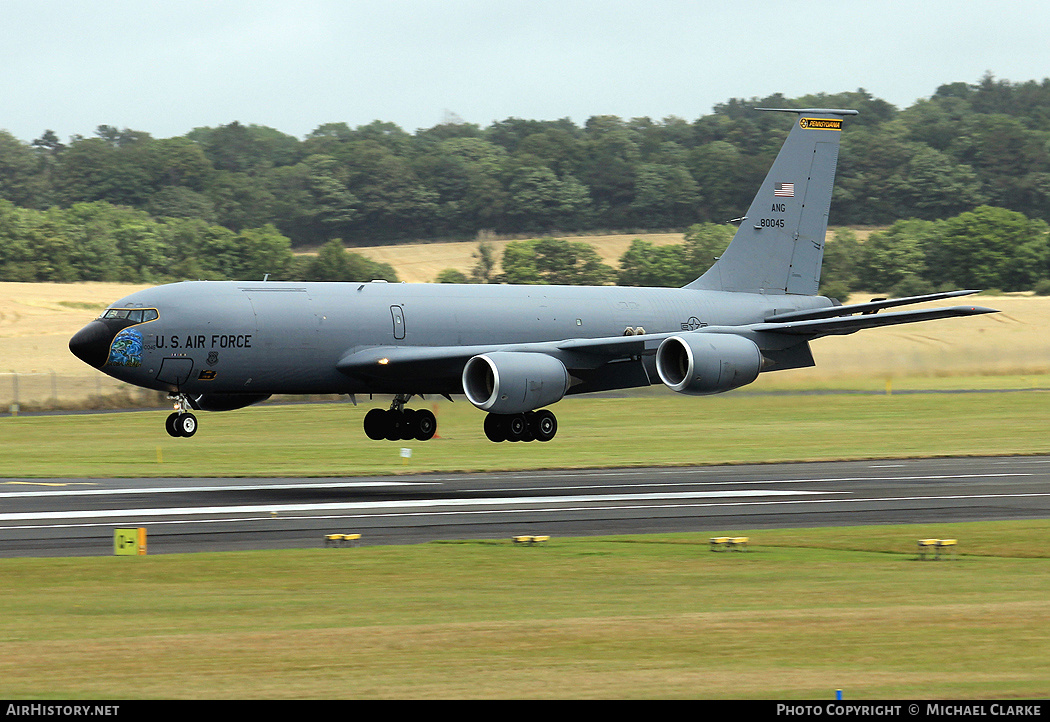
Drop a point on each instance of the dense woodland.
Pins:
(962, 178)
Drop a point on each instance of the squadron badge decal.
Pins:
(126, 349)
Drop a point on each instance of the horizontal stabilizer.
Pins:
(870, 307)
(829, 111)
(848, 324)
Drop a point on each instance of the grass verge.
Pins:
(803, 613)
(657, 429)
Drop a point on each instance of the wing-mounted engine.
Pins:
(707, 363)
(510, 382)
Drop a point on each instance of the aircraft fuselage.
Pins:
(287, 338)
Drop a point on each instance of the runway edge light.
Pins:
(129, 542)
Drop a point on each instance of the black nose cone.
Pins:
(91, 344)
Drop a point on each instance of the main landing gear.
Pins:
(181, 423)
(530, 426)
(399, 423)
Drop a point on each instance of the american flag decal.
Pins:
(784, 190)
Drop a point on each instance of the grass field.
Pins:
(657, 429)
(804, 613)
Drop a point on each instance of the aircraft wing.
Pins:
(597, 364)
(397, 363)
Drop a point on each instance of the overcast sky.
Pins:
(168, 67)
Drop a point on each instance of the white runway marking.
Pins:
(405, 504)
(814, 480)
(471, 512)
(185, 489)
(438, 481)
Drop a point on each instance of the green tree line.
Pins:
(987, 247)
(983, 249)
(102, 242)
(985, 143)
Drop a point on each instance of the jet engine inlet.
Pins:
(707, 363)
(508, 382)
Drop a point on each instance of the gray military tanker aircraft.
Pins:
(512, 350)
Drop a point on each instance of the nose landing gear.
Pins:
(181, 423)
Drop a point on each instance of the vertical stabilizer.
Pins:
(780, 243)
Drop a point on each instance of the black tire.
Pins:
(544, 425)
(530, 424)
(517, 428)
(375, 424)
(169, 425)
(496, 428)
(394, 422)
(409, 424)
(186, 425)
(426, 425)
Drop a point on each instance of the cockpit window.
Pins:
(135, 315)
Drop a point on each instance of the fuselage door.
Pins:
(398, 315)
(175, 371)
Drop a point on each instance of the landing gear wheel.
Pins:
(544, 425)
(426, 425)
(400, 424)
(185, 425)
(529, 426)
(517, 428)
(409, 424)
(394, 422)
(375, 424)
(181, 423)
(496, 428)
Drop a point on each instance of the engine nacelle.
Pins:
(226, 402)
(510, 382)
(707, 363)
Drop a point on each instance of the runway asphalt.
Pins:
(77, 517)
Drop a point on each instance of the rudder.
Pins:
(779, 246)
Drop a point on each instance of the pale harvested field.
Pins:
(422, 262)
(1014, 341)
(37, 320)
